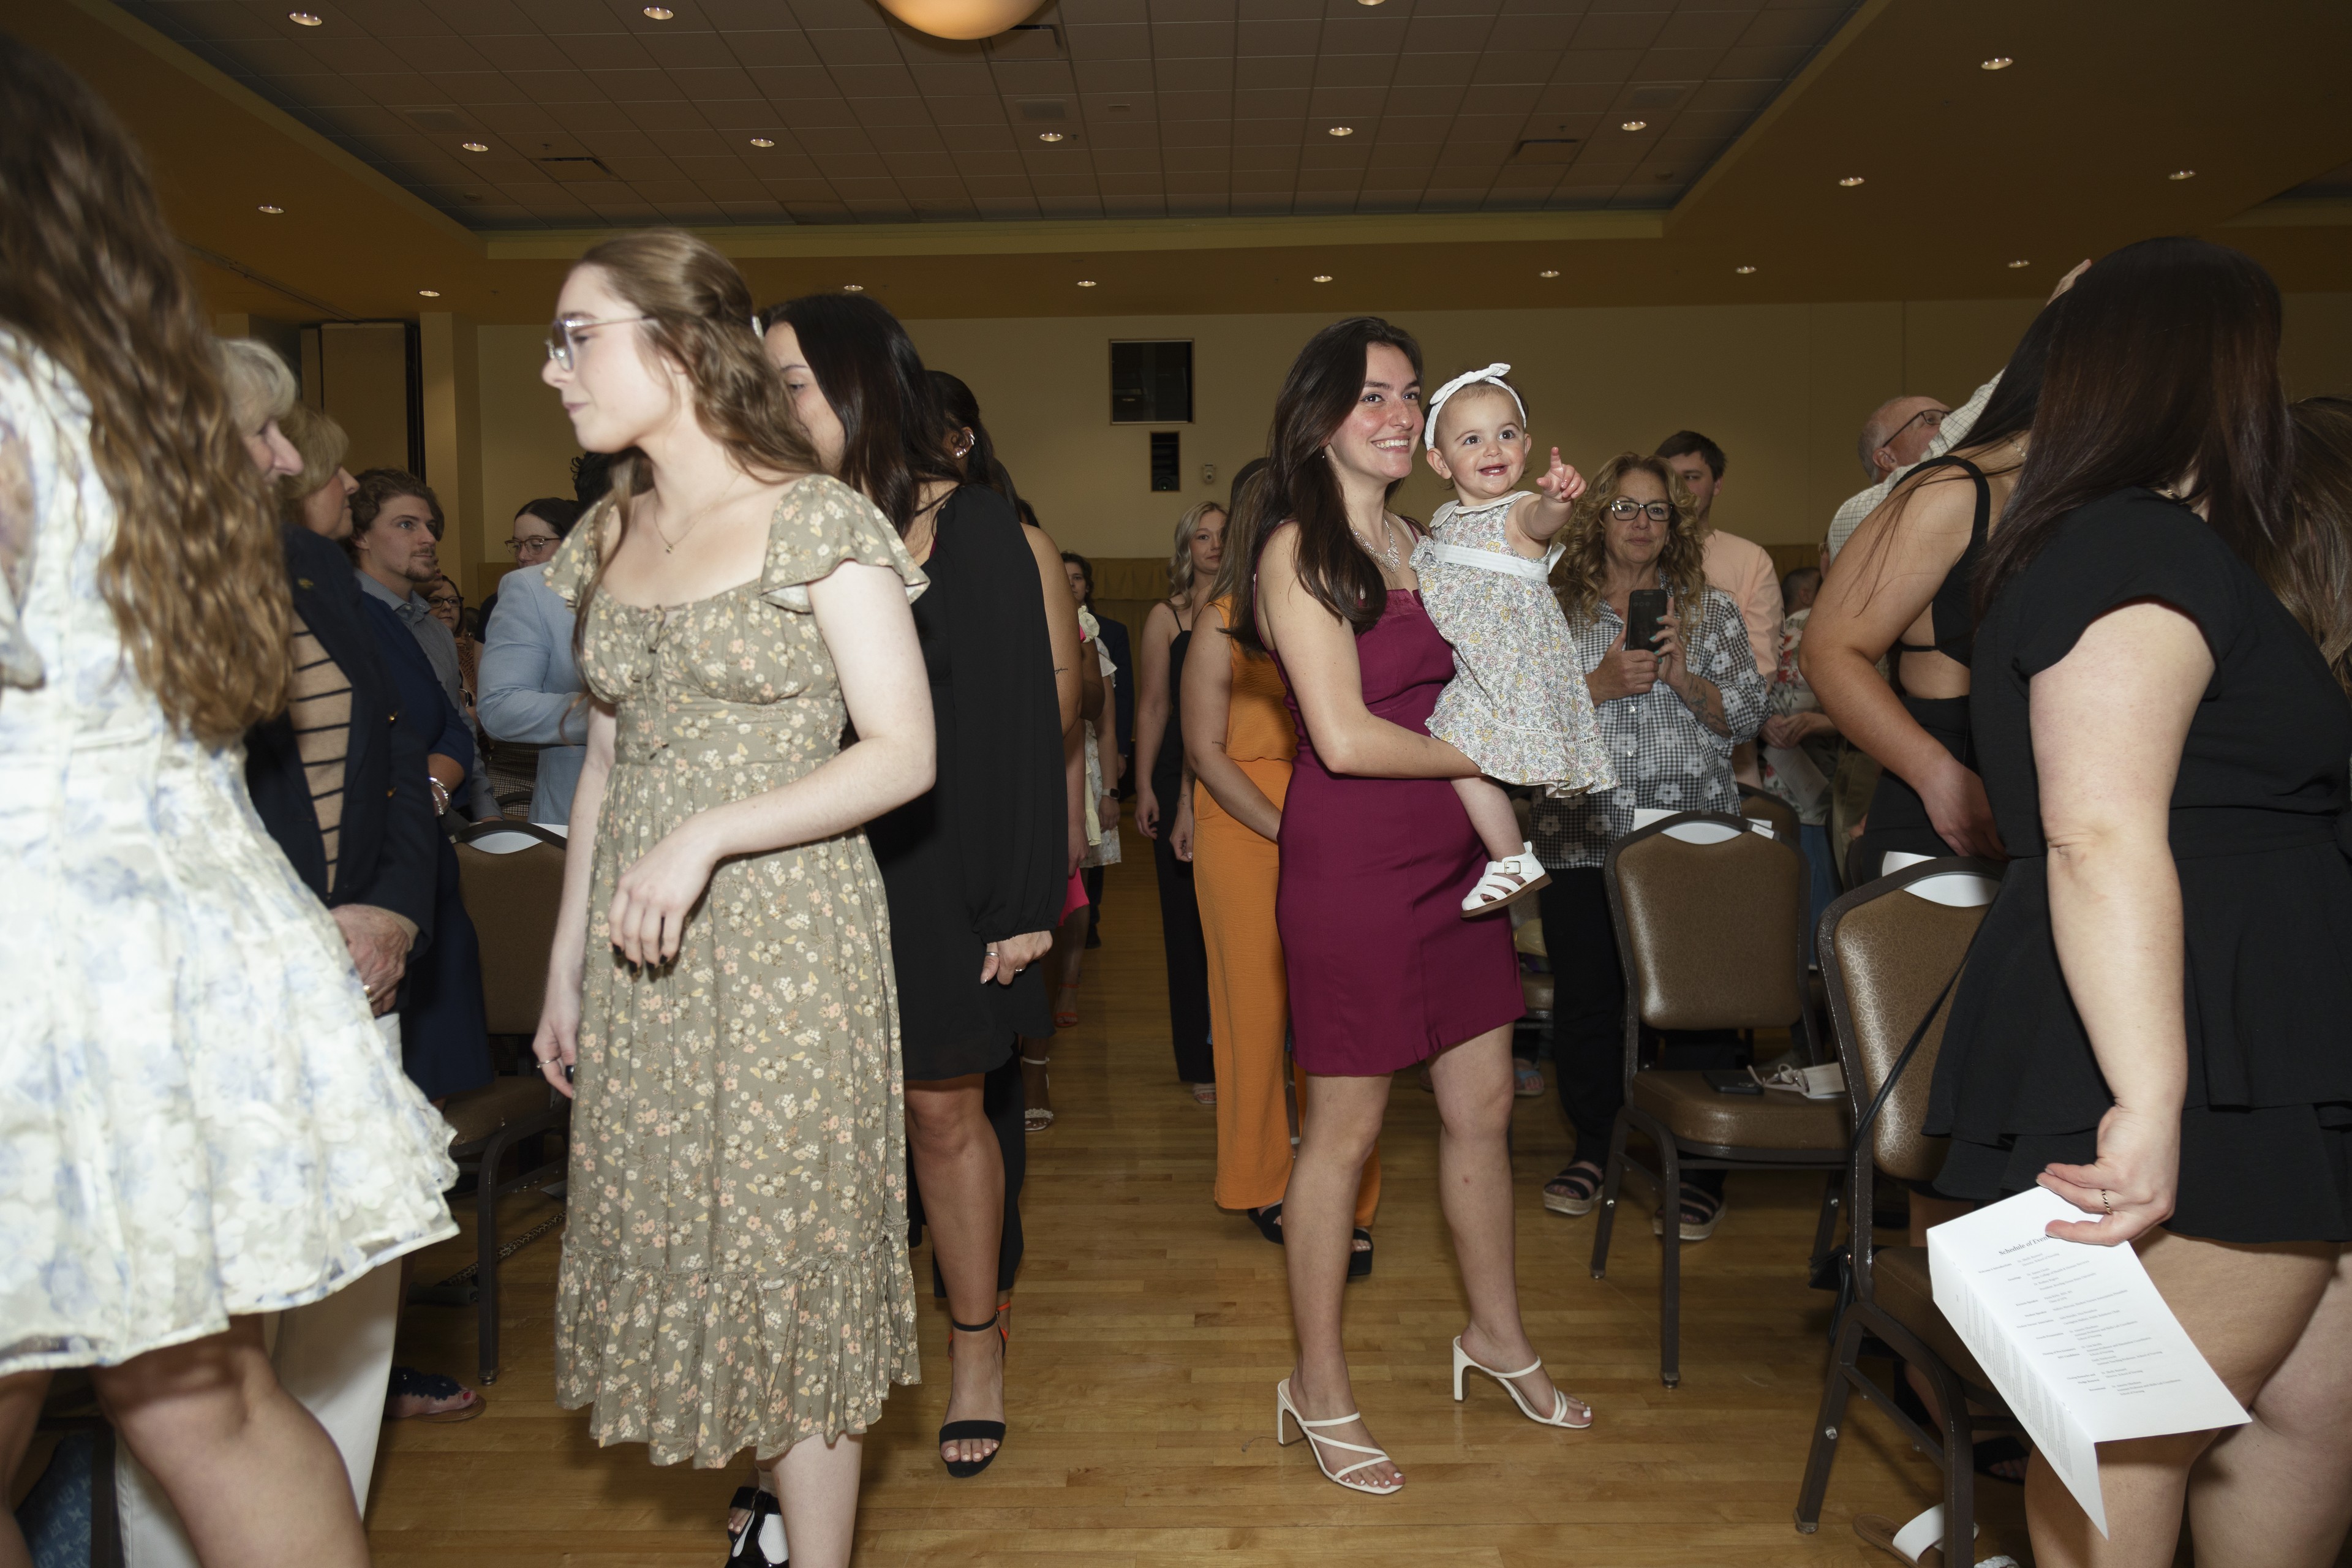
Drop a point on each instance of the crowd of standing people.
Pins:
(834, 736)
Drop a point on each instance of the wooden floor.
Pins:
(1149, 1328)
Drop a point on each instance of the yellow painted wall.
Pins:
(1782, 389)
(364, 367)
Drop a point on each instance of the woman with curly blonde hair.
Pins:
(202, 1122)
(1669, 715)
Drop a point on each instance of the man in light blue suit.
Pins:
(530, 686)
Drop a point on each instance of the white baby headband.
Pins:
(1492, 377)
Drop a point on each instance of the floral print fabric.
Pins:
(198, 1117)
(734, 1269)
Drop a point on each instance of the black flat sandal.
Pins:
(1359, 1263)
(760, 1542)
(986, 1431)
(1268, 1221)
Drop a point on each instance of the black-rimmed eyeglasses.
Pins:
(1624, 509)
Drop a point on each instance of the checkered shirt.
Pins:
(1666, 757)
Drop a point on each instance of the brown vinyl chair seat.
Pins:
(1527, 941)
(479, 1113)
(1538, 993)
(1696, 1113)
(1905, 1295)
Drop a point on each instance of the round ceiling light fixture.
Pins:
(660, 13)
(1343, 131)
(1049, 136)
(1085, 282)
(2181, 174)
(853, 287)
(763, 141)
(2015, 265)
(1549, 272)
(305, 19)
(272, 211)
(1320, 278)
(1851, 181)
(1743, 271)
(475, 146)
(430, 293)
(963, 19)
(1634, 125)
(1998, 63)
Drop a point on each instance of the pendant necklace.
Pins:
(1388, 555)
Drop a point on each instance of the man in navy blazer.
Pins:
(385, 864)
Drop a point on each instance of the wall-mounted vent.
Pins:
(573, 171)
(1029, 41)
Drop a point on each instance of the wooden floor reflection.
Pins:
(1149, 1328)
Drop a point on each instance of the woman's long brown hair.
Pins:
(698, 317)
(91, 276)
(2163, 369)
(1298, 486)
(1582, 575)
(2316, 584)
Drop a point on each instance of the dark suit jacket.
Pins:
(1122, 684)
(387, 853)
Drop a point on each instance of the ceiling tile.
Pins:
(1270, 37)
(1115, 76)
(1435, 69)
(1118, 42)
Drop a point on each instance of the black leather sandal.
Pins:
(760, 1542)
(1360, 1261)
(986, 1431)
(1268, 1221)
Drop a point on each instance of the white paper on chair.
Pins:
(2075, 1337)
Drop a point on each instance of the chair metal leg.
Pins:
(1613, 1178)
(1670, 1262)
(1835, 1389)
(1960, 1469)
(1832, 1199)
(486, 1254)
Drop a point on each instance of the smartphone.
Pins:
(1731, 1080)
(1645, 608)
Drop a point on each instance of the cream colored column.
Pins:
(453, 445)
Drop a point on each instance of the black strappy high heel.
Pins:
(986, 1431)
(760, 1542)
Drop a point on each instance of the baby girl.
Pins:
(1516, 705)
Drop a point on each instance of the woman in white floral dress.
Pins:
(735, 1272)
(199, 1120)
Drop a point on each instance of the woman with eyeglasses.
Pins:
(531, 701)
(1670, 716)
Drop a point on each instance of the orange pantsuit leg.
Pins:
(1234, 876)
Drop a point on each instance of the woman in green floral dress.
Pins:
(735, 1273)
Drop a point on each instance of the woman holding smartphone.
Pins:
(1670, 716)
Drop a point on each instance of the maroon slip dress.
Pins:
(1384, 971)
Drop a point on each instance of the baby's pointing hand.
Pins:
(1560, 482)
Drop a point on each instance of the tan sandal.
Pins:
(1919, 1543)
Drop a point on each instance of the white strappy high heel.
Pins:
(1505, 882)
(1561, 1401)
(1316, 1442)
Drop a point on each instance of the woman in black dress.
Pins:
(977, 870)
(2156, 1021)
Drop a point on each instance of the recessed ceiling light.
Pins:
(762, 142)
(475, 146)
(1321, 278)
(1851, 180)
(1998, 63)
(1743, 271)
(2181, 174)
(853, 287)
(1367, 2)
(272, 211)
(660, 13)
(1343, 131)
(1549, 272)
(430, 293)
(304, 19)
(1634, 125)
(1049, 136)
(1085, 282)
(2017, 264)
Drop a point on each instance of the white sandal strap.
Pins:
(1333, 1421)
(1924, 1530)
(1039, 1061)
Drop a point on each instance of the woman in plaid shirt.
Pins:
(1669, 718)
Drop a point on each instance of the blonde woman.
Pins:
(1163, 788)
(318, 497)
(201, 1122)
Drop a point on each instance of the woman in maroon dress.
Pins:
(1376, 856)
